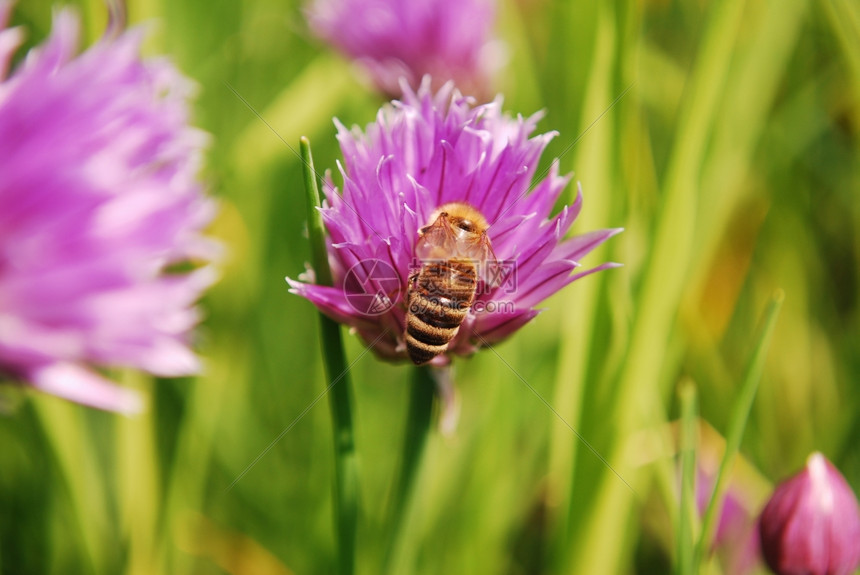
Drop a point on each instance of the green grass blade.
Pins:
(595, 160)
(137, 486)
(340, 387)
(599, 549)
(737, 423)
(66, 430)
(686, 517)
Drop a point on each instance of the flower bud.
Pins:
(811, 525)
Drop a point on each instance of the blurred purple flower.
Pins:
(447, 39)
(811, 525)
(425, 151)
(736, 539)
(98, 197)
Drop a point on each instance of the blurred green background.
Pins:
(732, 160)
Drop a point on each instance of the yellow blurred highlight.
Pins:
(230, 229)
(720, 287)
(233, 552)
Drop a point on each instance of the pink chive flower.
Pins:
(98, 198)
(811, 525)
(446, 39)
(423, 152)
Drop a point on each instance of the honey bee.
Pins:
(451, 250)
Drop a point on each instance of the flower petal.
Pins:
(82, 386)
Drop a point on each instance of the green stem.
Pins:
(689, 407)
(418, 421)
(316, 230)
(421, 396)
(340, 387)
(737, 423)
(346, 469)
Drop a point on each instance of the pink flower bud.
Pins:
(811, 525)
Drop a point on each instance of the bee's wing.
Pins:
(493, 272)
(487, 255)
(437, 241)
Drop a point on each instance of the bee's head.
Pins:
(464, 224)
(463, 218)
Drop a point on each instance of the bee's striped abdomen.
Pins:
(439, 298)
